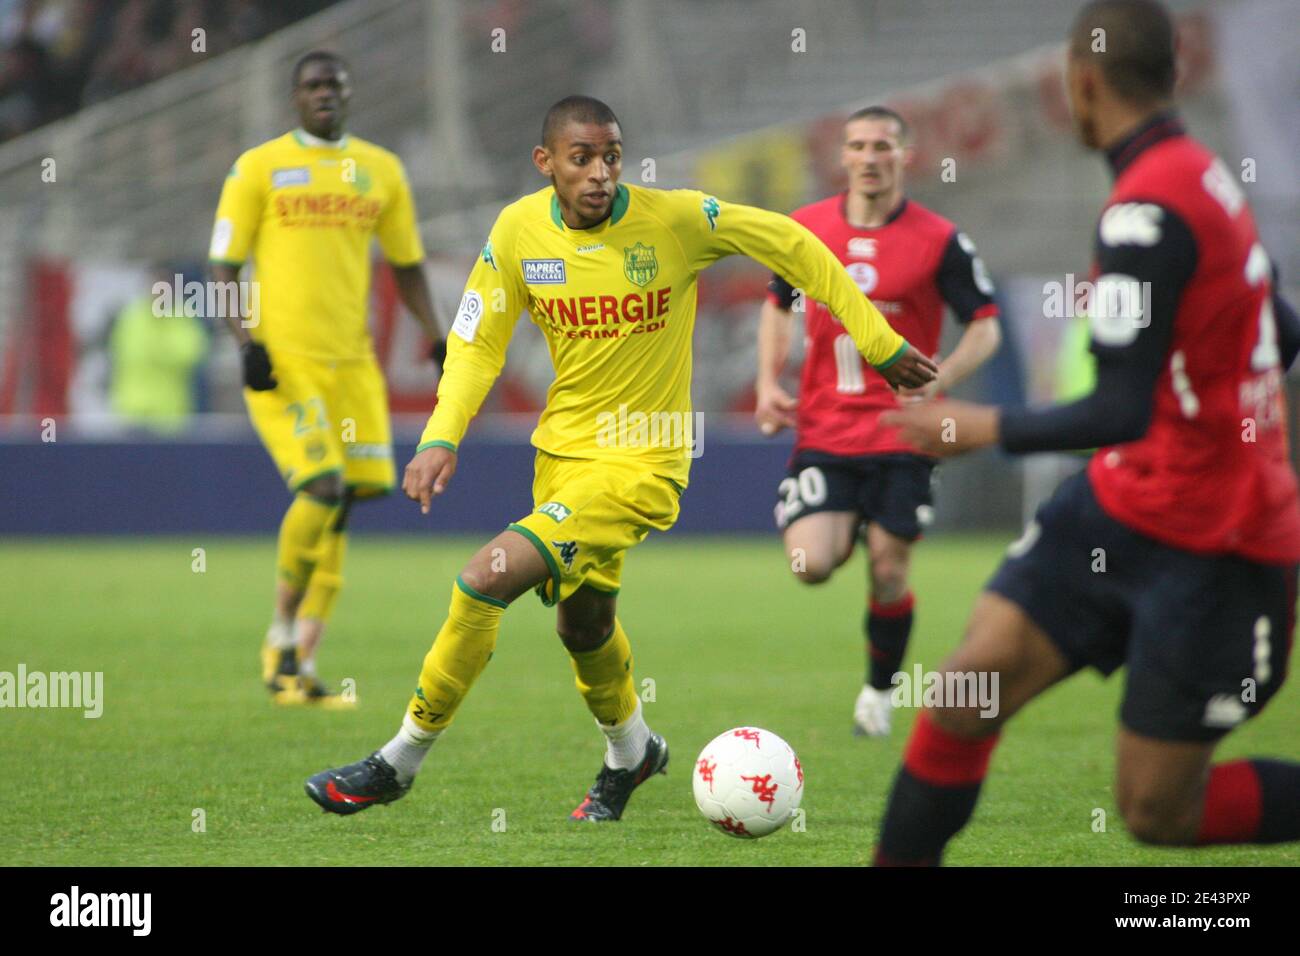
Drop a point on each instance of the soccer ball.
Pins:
(748, 782)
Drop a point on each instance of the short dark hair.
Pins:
(1137, 60)
(883, 112)
(317, 56)
(576, 109)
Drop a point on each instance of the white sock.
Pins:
(407, 750)
(625, 743)
(280, 634)
(307, 667)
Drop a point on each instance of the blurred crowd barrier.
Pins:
(132, 181)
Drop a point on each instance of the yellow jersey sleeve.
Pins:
(476, 348)
(239, 212)
(715, 229)
(399, 237)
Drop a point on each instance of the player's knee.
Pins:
(814, 572)
(482, 579)
(1158, 820)
(812, 565)
(325, 487)
(585, 635)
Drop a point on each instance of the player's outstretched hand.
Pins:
(774, 410)
(910, 396)
(438, 353)
(427, 475)
(257, 367)
(912, 370)
(945, 428)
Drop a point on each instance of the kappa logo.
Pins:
(486, 256)
(544, 271)
(294, 176)
(1131, 224)
(555, 511)
(711, 211)
(568, 551)
(640, 264)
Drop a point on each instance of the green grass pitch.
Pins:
(718, 624)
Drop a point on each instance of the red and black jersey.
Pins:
(910, 267)
(1189, 398)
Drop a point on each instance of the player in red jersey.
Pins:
(851, 475)
(1176, 554)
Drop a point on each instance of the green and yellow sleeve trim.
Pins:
(893, 358)
(436, 443)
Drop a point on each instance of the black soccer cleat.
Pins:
(359, 785)
(609, 794)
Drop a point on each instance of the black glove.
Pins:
(438, 353)
(257, 367)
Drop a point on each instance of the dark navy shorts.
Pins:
(1206, 638)
(891, 490)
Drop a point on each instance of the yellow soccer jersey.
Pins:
(617, 306)
(306, 210)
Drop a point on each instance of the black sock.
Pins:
(934, 794)
(888, 627)
(1279, 793)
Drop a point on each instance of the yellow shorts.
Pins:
(326, 418)
(587, 514)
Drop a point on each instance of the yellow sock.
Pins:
(327, 575)
(459, 653)
(604, 678)
(300, 533)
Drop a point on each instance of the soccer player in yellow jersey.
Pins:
(608, 273)
(305, 208)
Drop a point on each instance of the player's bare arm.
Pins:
(413, 288)
(775, 407)
(254, 358)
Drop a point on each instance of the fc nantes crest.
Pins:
(640, 264)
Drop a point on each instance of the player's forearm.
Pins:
(1118, 410)
(790, 250)
(977, 344)
(228, 276)
(464, 385)
(413, 289)
(773, 343)
(822, 277)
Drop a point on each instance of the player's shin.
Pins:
(888, 627)
(1251, 801)
(300, 534)
(321, 594)
(934, 794)
(604, 678)
(459, 654)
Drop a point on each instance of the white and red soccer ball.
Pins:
(747, 782)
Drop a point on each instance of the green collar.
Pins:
(304, 138)
(618, 208)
